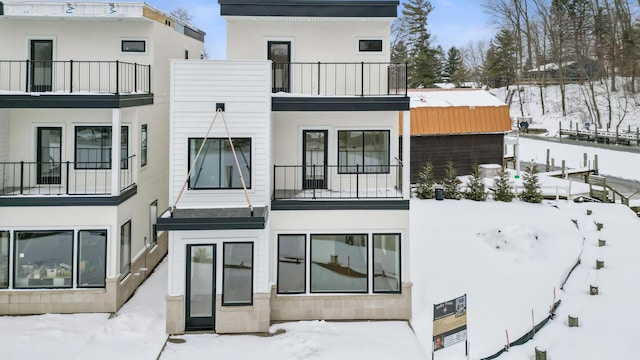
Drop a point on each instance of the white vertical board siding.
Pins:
(177, 252)
(245, 89)
(4, 135)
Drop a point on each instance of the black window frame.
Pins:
(126, 46)
(125, 270)
(373, 262)
(370, 46)
(304, 264)
(43, 285)
(102, 165)
(144, 145)
(348, 168)
(367, 240)
(248, 181)
(104, 259)
(5, 259)
(224, 269)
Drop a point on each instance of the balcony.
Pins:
(337, 187)
(26, 182)
(74, 84)
(333, 86)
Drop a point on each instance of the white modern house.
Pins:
(84, 126)
(288, 198)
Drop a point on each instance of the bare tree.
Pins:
(182, 14)
(474, 56)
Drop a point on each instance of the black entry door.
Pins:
(280, 53)
(41, 71)
(201, 287)
(314, 155)
(49, 155)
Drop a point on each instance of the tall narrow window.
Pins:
(93, 147)
(386, 263)
(153, 219)
(143, 145)
(92, 250)
(363, 151)
(4, 259)
(339, 263)
(125, 248)
(237, 276)
(291, 264)
(43, 259)
(216, 166)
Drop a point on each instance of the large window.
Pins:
(125, 248)
(339, 263)
(363, 151)
(386, 263)
(143, 145)
(237, 277)
(291, 264)
(216, 166)
(92, 249)
(4, 259)
(43, 259)
(93, 147)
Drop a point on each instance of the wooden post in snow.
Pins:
(573, 320)
(548, 155)
(541, 353)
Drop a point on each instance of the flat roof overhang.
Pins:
(71, 101)
(310, 8)
(213, 219)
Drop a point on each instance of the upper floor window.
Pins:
(367, 45)
(143, 145)
(137, 46)
(216, 166)
(363, 151)
(93, 147)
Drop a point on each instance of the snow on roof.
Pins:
(452, 97)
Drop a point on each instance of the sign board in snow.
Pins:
(449, 322)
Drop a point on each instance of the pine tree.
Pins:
(426, 182)
(475, 189)
(450, 182)
(532, 192)
(422, 60)
(504, 192)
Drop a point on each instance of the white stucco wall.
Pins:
(312, 39)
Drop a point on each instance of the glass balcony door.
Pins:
(49, 155)
(280, 53)
(314, 159)
(41, 65)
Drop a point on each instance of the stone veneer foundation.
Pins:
(64, 301)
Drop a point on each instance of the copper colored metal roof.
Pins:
(459, 120)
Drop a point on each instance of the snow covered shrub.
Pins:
(532, 192)
(450, 182)
(504, 192)
(426, 182)
(475, 188)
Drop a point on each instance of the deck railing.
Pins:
(61, 178)
(340, 79)
(337, 182)
(101, 77)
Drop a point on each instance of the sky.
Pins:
(470, 22)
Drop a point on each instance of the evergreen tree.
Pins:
(450, 182)
(501, 62)
(475, 189)
(453, 64)
(532, 193)
(426, 182)
(399, 52)
(504, 192)
(422, 61)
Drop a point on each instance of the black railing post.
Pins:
(318, 77)
(66, 182)
(406, 77)
(21, 177)
(26, 81)
(149, 79)
(70, 76)
(135, 77)
(362, 79)
(117, 77)
(358, 181)
(274, 181)
(313, 181)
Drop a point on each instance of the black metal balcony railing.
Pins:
(337, 182)
(61, 178)
(102, 77)
(340, 79)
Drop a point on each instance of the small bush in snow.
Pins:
(450, 182)
(504, 191)
(532, 193)
(426, 182)
(475, 188)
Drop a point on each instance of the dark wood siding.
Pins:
(463, 150)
